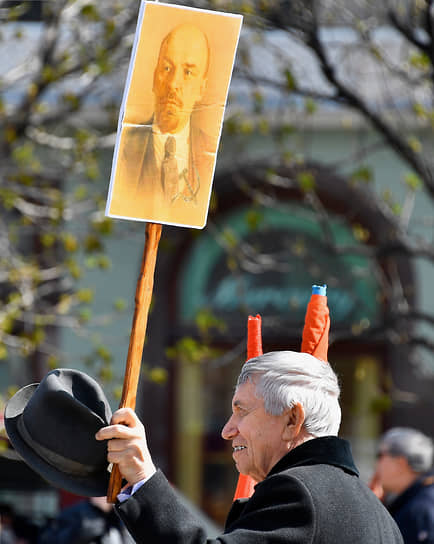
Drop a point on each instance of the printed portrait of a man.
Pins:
(165, 163)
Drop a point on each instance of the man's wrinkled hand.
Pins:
(127, 446)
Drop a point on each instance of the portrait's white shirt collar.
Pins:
(182, 146)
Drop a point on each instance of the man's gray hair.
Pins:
(410, 443)
(284, 378)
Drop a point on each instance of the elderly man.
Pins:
(165, 164)
(403, 481)
(283, 427)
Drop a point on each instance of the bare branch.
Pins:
(408, 32)
(352, 99)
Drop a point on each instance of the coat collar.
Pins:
(328, 450)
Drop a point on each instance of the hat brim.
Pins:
(94, 485)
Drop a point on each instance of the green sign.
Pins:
(268, 266)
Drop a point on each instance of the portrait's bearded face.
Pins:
(180, 77)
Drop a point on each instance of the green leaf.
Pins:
(38, 336)
(420, 110)
(254, 219)
(104, 354)
(104, 262)
(290, 80)
(120, 304)
(103, 226)
(53, 362)
(85, 295)
(92, 170)
(360, 233)
(306, 181)
(70, 242)
(8, 322)
(109, 28)
(23, 154)
(92, 243)
(310, 106)
(189, 350)
(258, 101)
(74, 268)
(415, 144)
(85, 315)
(206, 320)
(264, 126)
(47, 239)
(91, 262)
(158, 375)
(3, 351)
(420, 61)
(381, 403)
(232, 263)
(48, 74)
(413, 181)
(72, 100)
(81, 192)
(106, 373)
(363, 173)
(90, 12)
(230, 238)
(64, 304)
(396, 208)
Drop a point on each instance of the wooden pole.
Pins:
(143, 300)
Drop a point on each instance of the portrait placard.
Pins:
(171, 115)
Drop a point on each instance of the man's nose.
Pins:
(230, 430)
(176, 79)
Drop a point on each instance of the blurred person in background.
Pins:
(16, 528)
(7, 533)
(91, 521)
(404, 481)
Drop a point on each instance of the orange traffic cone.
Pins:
(246, 484)
(316, 328)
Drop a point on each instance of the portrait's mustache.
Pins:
(172, 98)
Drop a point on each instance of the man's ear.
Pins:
(294, 422)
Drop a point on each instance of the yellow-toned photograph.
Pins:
(171, 115)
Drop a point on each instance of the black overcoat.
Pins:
(312, 495)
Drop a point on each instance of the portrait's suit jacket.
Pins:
(313, 495)
(138, 186)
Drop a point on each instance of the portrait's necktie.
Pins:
(169, 170)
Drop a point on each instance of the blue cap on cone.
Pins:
(319, 290)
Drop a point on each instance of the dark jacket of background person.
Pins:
(85, 523)
(404, 481)
(413, 511)
(16, 528)
(312, 495)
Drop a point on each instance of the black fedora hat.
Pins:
(52, 425)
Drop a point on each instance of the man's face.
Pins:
(257, 437)
(179, 78)
(389, 470)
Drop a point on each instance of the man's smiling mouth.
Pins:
(238, 448)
